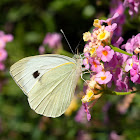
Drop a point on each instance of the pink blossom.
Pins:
(111, 28)
(7, 38)
(2, 66)
(109, 20)
(87, 111)
(134, 73)
(114, 136)
(52, 39)
(86, 63)
(132, 43)
(86, 49)
(105, 53)
(122, 82)
(83, 135)
(118, 42)
(81, 116)
(133, 65)
(130, 62)
(103, 77)
(41, 49)
(133, 6)
(95, 65)
(2, 44)
(3, 54)
(117, 7)
(1, 33)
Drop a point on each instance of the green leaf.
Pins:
(119, 50)
(107, 91)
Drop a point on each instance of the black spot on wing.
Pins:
(36, 74)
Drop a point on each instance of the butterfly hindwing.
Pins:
(53, 97)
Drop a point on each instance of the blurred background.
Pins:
(32, 27)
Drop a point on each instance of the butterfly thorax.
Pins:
(79, 63)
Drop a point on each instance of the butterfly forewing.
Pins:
(49, 81)
(23, 72)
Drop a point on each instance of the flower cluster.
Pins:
(108, 64)
(133, 6)
(4, 38)
(117, 7)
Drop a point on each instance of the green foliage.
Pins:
(29, 21)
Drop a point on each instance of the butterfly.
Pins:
(48, 81)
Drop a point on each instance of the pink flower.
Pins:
(118, 42)
(133, 6)
(87, 111)
(52, 39)
(105, 53)
(81, 116)
(130, 62)
(117, 7)
(86, 63)
(41, 50)
(111, 28)
(132, 43)
(109, 20)
(86, 49)
(114, 136)
(95, 65)
(134, 72)
(2, 43)
(2, 66)
(1, 33)
(103, 77)
(7, 38)
(3, 54)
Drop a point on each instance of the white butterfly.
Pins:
(49, 81)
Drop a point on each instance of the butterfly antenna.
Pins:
(78, 45)
(67, 41)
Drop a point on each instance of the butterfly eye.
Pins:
(36, 74)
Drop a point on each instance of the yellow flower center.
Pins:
(103, 35)
(90, 94)
(88, 97)
(92, 51)
(103, 78)
(105, 52)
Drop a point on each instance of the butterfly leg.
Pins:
(82, 76)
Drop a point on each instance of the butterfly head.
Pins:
(78, 58)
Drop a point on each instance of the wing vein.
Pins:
(61, 93)
(48, 93)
